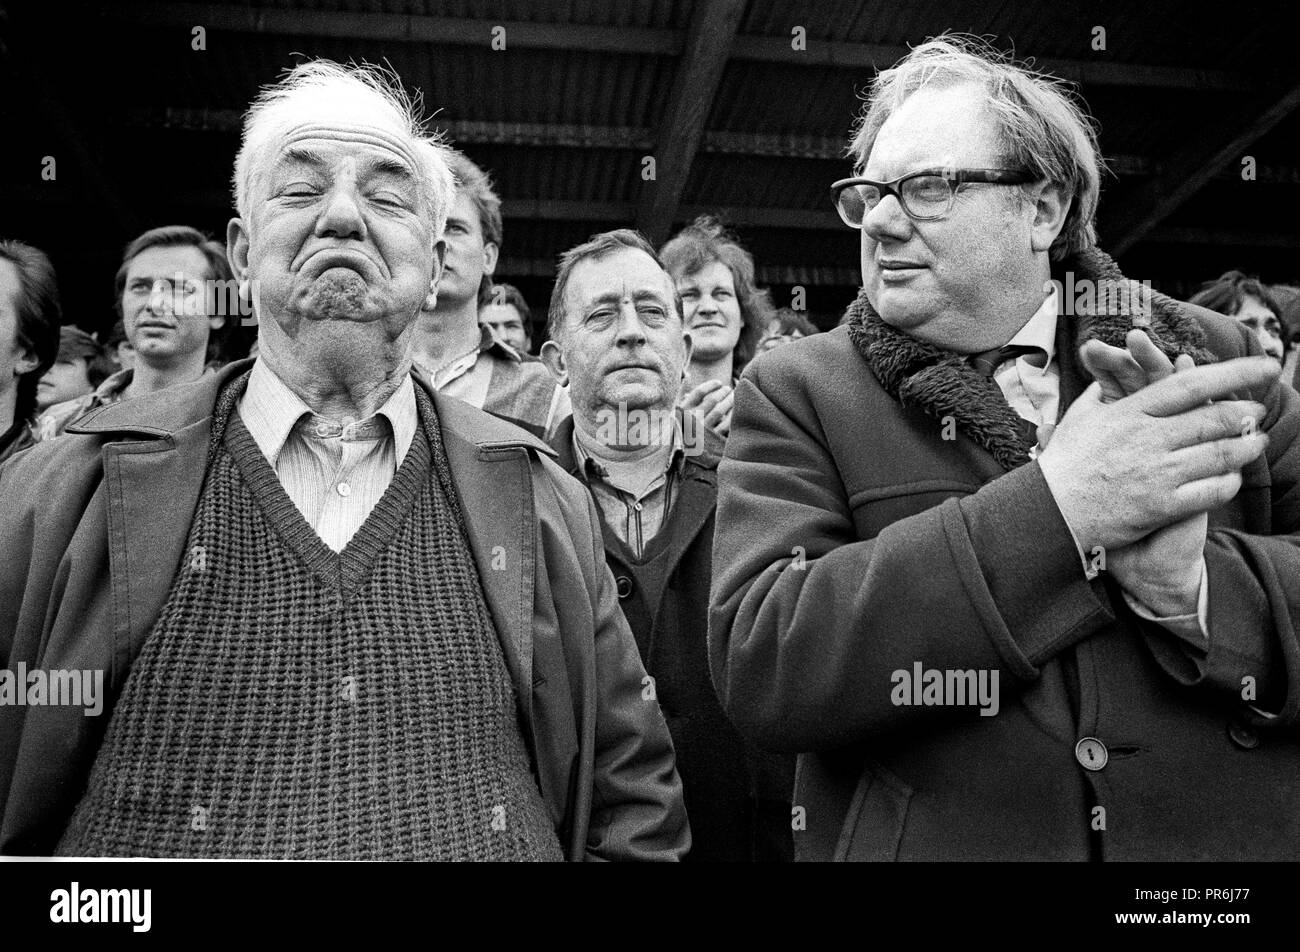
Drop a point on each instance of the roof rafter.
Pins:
(1187, 171)
(616, 39)
(699, 73)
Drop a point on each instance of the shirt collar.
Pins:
(114, 385)
(488, 343)
(1040, 330)
(270, 410)
(590, 463)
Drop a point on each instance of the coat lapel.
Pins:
(153, 491)
(492, 472)
(153, 475)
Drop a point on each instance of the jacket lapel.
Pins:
(153, 491)
(693, 504)
(492, 472)
(153, 475)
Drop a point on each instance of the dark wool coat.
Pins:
(93, 532)
(737, 798)
(855, 541)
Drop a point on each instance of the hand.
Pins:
(1162, 570)
(711, 401)
(1122, 470)
(1122, 372)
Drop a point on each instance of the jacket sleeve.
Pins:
(1253, 655)
(638, 812)
(808, 621)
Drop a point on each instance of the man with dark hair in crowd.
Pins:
(29, 339)
(1005, 610)
(1244, 297)
(617, 342)
(77, 370)
(726, 314)
(507, 314)
(340, 616)
(169, 291)
(456, 353)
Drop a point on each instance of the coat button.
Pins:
(1091, 753)
(1243, 736)
(624, 585)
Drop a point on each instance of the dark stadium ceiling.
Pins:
(740, 122)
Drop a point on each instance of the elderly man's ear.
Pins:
(237, 256)
(237, 247)
(1051, 205)
(553, 357)
(439, 258)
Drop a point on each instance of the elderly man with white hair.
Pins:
(338, 616)
(1009, 558)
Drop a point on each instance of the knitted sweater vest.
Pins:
(291, 702)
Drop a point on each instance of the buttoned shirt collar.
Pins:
(1040, 330)
(587, 455)
(488, 342)
(270, 410)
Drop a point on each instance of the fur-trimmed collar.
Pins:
(1105, 306)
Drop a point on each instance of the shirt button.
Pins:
(624, 586)
(1091, 753)
(1243, 736)
(322, 430)
(344, 489)
(636, 506)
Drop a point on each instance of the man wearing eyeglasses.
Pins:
(1009, 557)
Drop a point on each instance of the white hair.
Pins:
(325, 91)
(441, 182)
(1043, 127)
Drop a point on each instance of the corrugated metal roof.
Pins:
(564, 125)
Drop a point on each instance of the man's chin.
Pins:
(338, 295)
(634, 397)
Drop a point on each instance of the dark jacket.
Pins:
(737, 798)
(855, 541)
(93, 532)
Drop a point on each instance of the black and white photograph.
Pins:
(756, 432)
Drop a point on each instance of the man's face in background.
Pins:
(165, 303)
(623, 346)
(469, 256)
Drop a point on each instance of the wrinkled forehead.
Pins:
(393, 146)
(624, 275)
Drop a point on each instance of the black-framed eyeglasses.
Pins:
(924, 196)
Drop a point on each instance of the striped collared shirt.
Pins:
(335, 471)
(634, 516)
